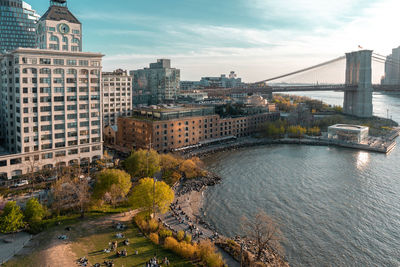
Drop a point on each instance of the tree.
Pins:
(143, 195)
(12, 218)
(143, 163)
(71, 194)
(105, 161)
(264, 231)
(34, 213)
(191, 168)
(114, 183)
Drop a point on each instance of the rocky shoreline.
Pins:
(191, 192)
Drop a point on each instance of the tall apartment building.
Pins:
(117, 96)
(167, 129)
(157, 84)
(17, 25)
(51, 110)
(392, 68)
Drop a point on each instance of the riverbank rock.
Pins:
(268, 257)
(198, 184)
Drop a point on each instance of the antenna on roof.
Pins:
(58, 2)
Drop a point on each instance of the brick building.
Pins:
(166, 129)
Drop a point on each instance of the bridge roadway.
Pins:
(309, 88)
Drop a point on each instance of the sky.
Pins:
(258, 39)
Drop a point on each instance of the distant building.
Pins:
(193, 96)
(392, 68)
(189, 85)
(171, 128)
(17, 25)
(348, 133)
(117, 96)
(157, 84)
(222, 82)
(110, 134)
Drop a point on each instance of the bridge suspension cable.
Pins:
(302, 70)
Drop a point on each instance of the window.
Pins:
(58, 99)
(72, 116)
(45, 90)
(75, 31)
(83, 63)
(45, 61)
(58, 61)
(71, 62)
(45, 109)
(72, 125)
(54, 38)
(84, 124)
(59, 117)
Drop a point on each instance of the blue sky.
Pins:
(256, 38)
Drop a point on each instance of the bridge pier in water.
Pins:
(359, 73)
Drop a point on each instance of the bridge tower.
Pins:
(358, 73)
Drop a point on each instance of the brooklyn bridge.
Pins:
(358, 87)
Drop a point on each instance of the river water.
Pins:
(337, 207)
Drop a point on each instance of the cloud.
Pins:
(328, 30)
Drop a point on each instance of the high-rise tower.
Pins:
(50, 112)
(17, 25)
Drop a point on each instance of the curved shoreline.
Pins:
(252, 142)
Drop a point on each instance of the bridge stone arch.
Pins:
(358, 102)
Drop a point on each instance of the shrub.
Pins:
(154, 238)
(181, 235)
(171, 243)
(188, 238)
(141, 222)
(152, 226)
(164, 233)
(209, 256)
(183, 249)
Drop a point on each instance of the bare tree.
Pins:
(71, 194)
(33, 167)
(264, 231)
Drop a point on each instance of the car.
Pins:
(22, 183)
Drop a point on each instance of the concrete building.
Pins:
(192, 96)
(17, 25)
(392, 68)
(348, 133)
(51, 110)
(157, 84)
(230, 81)
(171, 128)
(117, 96)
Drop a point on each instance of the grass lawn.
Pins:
(92, 247)
(88, 238)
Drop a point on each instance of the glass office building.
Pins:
(17, 25)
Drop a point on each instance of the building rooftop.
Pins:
(349, 127)
(59, 13)
(171, 112)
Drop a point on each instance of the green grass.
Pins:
(89, 237)
(92, 247)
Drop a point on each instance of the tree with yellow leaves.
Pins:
(144, 193)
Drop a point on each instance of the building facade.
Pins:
(168, 129)
(117, 96)
(392, 68)
(17, 25)
(157, 84)
(51, 112)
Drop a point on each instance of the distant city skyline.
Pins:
(256, 38)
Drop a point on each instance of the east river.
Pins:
(337, 207)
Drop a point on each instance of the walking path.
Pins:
(185, 216)
(8, 250)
